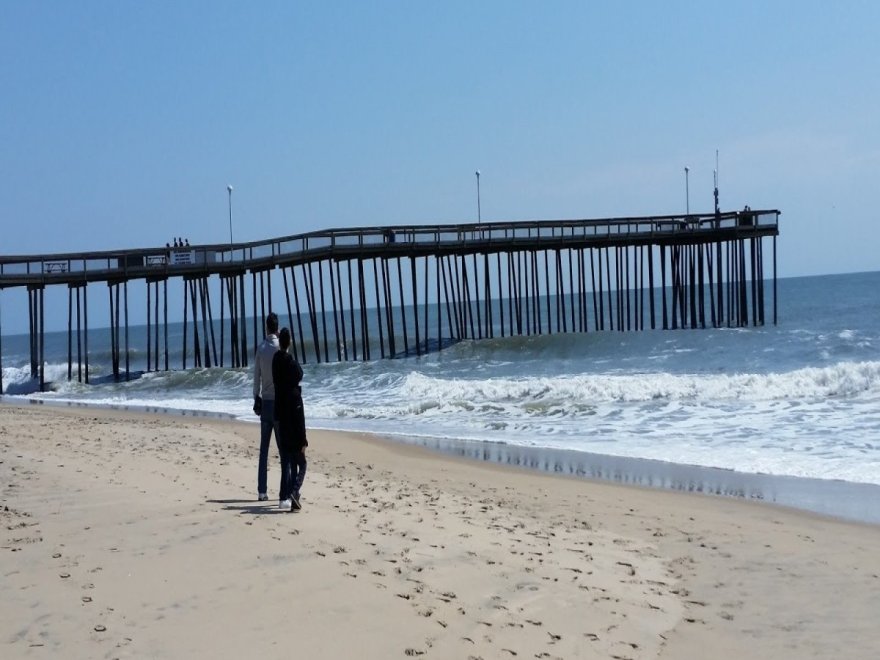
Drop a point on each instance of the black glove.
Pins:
(258, 405)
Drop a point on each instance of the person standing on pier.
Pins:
(287, 374)
(264, 400)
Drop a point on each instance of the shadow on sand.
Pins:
(249, 506)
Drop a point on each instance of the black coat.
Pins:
(287, 375)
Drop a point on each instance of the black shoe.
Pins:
(296, 506)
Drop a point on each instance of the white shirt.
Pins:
(263, 385)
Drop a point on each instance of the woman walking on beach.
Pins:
(287, 375)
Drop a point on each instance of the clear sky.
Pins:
(121, 123)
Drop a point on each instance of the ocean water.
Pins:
(801, 398)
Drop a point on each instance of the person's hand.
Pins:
(258, 405)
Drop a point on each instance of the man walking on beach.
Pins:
(264, 399)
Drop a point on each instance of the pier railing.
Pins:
(412, 240)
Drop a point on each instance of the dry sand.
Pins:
(137, 535)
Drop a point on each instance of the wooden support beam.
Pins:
(378, 308)
(79, 374)
(336, 283)
(289, 314)
(165, 322)
(775, 299)
(42, 340)
(710, 271)
(223, 322)
(354, 350)
(488, 298)
(69, 337)
(149, 326)
(594, 292)
(1, 349)
(626, 287)
(86, 330)
(257, 332)
(663, 285)
(323, 311)
(389, 308)
(415, 304)
(608, 277)
(242, 321)
(197, 347)
(402, 307)
(125, 303)
(185, 321)
(547, 293)
(450, 307)
(476, 272)
(32, 332)
(310, 299)
(365, 329)
(501, 291)
(437, 264)
(427, 307)
(114, 332)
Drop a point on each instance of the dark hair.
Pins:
(284, 339)
(272, 323)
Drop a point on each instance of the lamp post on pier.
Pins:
(687, 193)
(229, 190)
(478, 196)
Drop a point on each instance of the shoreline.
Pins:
(843, 500)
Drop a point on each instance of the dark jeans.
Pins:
(267, 426)
(293, 471)
(298, 472)
(291, 445)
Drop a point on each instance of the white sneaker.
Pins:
(285, 505)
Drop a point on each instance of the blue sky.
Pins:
(122, 123)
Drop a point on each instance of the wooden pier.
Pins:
(368, 293)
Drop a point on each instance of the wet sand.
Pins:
(841, 499)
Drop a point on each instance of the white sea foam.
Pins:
(843, 379)
(18, 380)
(807, 422)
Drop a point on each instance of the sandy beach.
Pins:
(138, 535)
